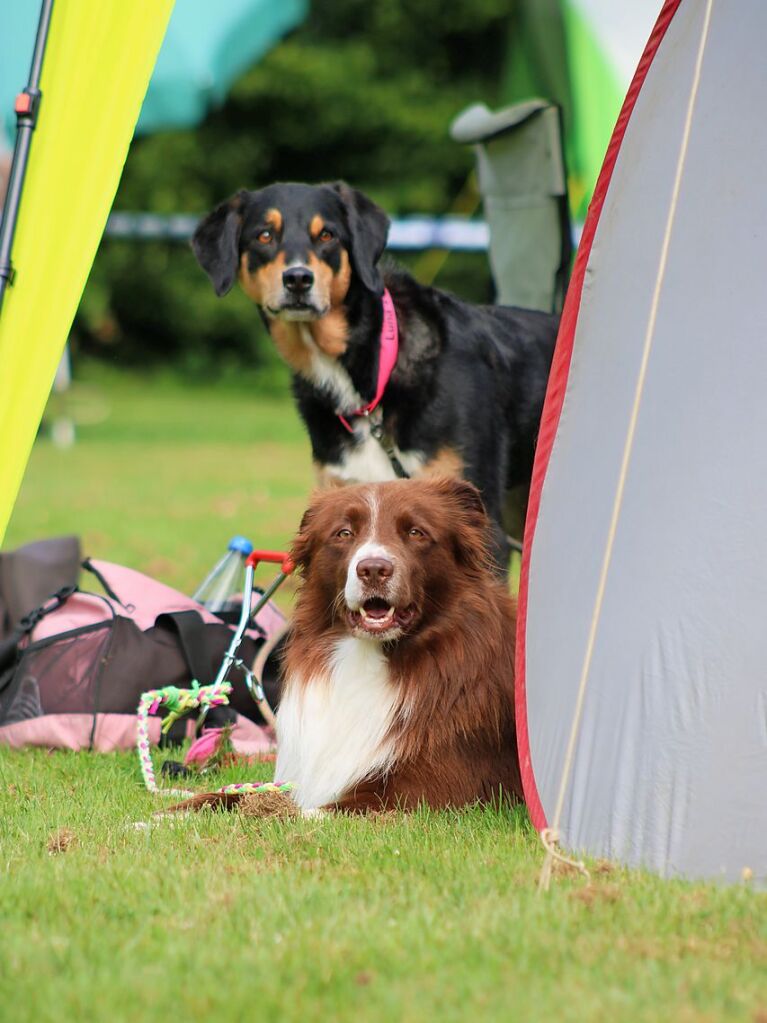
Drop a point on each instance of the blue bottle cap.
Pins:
(240, 544)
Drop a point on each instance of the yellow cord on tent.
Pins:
(549, 838)
(545, 876)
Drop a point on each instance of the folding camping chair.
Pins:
(522, 178)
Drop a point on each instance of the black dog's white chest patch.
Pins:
(364, 459)
(328, 375)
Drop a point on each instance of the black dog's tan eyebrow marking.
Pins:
(273, 217)
(316, 226)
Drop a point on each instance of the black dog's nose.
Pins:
(374, 570)
(297, 279)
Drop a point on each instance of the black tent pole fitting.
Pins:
(27, 106)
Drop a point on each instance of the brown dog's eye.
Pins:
(416, 533)
(344, 534)
(265, 236)
(325, 235)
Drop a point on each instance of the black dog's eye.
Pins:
(344, 534)
(265, 236)
(416, 533)
(325, 235)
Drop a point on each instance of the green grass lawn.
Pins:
(166, 475)
(226, 917)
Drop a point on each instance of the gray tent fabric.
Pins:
(521, 170)
(669, 765)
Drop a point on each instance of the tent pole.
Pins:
(27, 106)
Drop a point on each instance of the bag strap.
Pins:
(88, 565)
(10, 645)
(190, 629)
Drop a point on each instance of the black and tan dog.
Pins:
(464, 397)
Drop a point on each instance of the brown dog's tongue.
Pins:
(376, 608)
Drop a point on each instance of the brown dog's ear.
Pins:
(471, 524)
(468, 498)
(369, 229)
(216, 243)
(301, 547)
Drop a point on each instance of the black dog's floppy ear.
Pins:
(369, 228)
(216, 243)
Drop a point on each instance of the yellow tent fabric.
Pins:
(97, 65)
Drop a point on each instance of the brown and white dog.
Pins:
(399, 671)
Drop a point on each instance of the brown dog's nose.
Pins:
(297, 279)
(374, 570)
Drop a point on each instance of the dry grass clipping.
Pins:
(592, 894)
(269, 804)
(60, 841)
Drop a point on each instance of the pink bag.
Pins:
(82, 661)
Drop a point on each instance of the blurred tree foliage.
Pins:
(361, 91)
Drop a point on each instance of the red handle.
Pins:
(274, 557)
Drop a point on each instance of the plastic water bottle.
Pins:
(221, 590)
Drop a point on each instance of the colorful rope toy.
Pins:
(180, 702)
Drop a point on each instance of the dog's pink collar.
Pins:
(387, 358)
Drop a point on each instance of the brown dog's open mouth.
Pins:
(377, 616)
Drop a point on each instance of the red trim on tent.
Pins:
(555, 396)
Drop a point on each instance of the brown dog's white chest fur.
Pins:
(333, 729)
